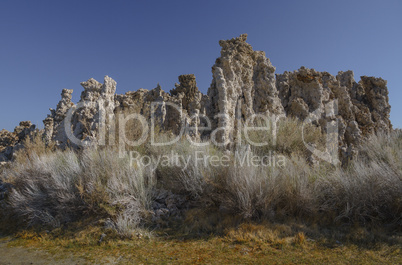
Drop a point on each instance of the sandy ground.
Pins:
(24, 256)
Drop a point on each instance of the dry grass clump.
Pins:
(43, 189)
(61, 187)
(287, 136)
(368, 192)
(259, 193)
(370, 189)
(384, 149)
(33, 146)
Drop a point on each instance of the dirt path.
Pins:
(24, 256)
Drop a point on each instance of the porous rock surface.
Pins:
(83, 120)
(10, 142)
(243, 83)
(358, 109)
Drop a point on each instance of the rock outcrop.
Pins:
(54, 123)
(165, 109)
(10, 142)
(358, 109)
(243, 84)
(95, 106)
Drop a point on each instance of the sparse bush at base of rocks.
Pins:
(55, 188)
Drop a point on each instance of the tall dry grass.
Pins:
(370, 189)
(286, 136)
(64, 186)
(55, 187)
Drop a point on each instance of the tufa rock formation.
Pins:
(243, 84)
(84, 123)
(10, 142)
(362, 107)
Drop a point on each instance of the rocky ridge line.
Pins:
(244, 83)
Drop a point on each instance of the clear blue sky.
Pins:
(46, 46)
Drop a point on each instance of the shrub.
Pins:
(55, 187)
(61, 187)
(370, 189)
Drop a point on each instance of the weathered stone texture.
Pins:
(243, 84)
(362, 108)
(10, 142)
